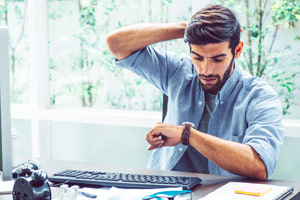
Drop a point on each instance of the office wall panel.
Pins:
(23, 141)
(288, 167)
(110, 145)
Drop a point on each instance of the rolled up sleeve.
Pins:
(265, 130)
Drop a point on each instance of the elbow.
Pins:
(261, 176)
(112, 43)
(262, 173)
(259, 169)
(116, 46)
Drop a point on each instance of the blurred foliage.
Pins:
(12, 15)
(93, 77)
(286, 12)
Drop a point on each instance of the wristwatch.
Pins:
(186, 132)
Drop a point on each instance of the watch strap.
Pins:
(186, 134)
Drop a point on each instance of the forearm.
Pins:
(240, 159)
(125, 41)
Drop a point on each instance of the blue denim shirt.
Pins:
(247, 109)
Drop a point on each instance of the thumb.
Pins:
(150, 147)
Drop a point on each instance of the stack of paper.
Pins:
(229, 192)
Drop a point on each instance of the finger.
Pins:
(161, 144)
(156, 145)
(150, 147)
(150, 138)
(156, 138)
(153, 134)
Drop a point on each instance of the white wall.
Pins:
(126, 146)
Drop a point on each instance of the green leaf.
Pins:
(283, 85)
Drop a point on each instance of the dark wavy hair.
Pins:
(213, 24)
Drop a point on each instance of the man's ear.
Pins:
(238, 49)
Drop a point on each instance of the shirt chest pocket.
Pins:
(238, 133)
(237, 138)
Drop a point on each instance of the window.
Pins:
(49, 90)
(82, 70)
(13, 14)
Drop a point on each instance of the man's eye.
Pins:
(218, 60)
(199, 58)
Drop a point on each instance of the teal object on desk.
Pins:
(170, 195)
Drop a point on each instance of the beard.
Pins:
(220, 82)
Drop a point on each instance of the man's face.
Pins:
(213, 64)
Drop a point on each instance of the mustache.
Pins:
(209, 76)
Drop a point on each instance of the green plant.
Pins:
(286, 12)
(85, 62)
(88, 37)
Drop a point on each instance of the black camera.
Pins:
(25, 169)
(31, 183)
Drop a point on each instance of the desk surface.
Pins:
(209, 182)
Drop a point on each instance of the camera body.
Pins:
(25, 169)
(31, 183)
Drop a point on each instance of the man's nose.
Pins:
(206, 67)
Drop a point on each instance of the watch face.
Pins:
(189, 123)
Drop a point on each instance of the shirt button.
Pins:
(221, 102)
(200, 103)
(180, 149)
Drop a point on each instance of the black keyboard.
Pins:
(96, 178)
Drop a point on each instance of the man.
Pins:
(237, 116)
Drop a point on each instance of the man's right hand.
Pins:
(127, 40)
(172, 135)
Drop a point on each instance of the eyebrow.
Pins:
(216, 56)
